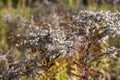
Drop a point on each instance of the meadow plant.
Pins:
(86, 37)
(94, 31)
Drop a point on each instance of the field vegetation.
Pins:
(59, 40)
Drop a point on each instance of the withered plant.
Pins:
(83, 40)
(93, 32)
